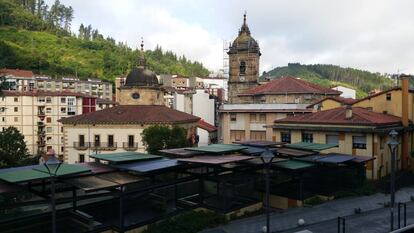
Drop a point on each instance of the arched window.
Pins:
(242, 67)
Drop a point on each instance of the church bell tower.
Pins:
(244, 58)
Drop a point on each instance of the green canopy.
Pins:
(65, 169)
(293, 165)
(218, 148)
(124, 157)
(311, 146)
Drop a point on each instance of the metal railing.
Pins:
(95, 145)
(81, 145)
(130, 146)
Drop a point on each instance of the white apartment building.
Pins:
(23, 80)
(35, 114)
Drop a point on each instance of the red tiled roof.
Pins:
(17, 72)
(105, 101)
(381, 93)
(335, 98)
(337, 116)
(133, 114)
(289, 85)
(206, 126)
(45, 93)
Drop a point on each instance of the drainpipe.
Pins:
(404, 118)
(372, 161)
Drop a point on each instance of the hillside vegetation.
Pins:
(331, 75)
(36, 37)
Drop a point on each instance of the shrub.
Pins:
(190, 222)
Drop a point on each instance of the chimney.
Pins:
(404, 119)
(404, 103)
(348, 112)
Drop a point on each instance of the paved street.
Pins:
(325, 215)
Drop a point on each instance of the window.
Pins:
(48, 100)
(242, 67)
(62, 148)
(110, 140)
(332, 139)
(48, 110)
(16, 99)
(262, 118)
(49, 129)
(48, 120)
(359, 142)
(3, 119)
(252, 117)
(388, 96)
(61, 130)
(71, 106)
(16, 109)
(63, 110)
(237, 135)
(41, 99)
(81, 140)
(285, 137)
(16, 119)
(63, 100)
(81, 158)
(233, 117)
(130, 140)
(97, 140)
(307, 137)
(381, 142)
(48, 139)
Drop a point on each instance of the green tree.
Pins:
(13, 150)
(159, 137)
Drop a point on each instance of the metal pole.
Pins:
(267, 199)
(52, 180)
(392, 188)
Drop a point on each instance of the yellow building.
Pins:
(356, 131)
(117, 129)
(35, 114)
(330, 103)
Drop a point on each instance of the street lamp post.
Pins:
(393, 145)
(267, 157)
(52, 165)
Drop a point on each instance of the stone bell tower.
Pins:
(244, 58)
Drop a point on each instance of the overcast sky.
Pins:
(375, 35)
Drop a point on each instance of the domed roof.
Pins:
(140, 76)
(244, 41)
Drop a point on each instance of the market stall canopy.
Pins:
(124, 157)
(218, 148)
(216, 160)
(91, 183)
(289, 152)
(96, 168)
(293, 165)
(149, 166)
(121, 178)
(259, 143)
(311, 146)
(253, 150)
(335, 158)
(180, 152)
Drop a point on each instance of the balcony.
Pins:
(41, 143)
(103, 146)
(41, 133)
(41, 113)
(81, 145)
(130, 146)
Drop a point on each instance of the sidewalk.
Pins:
(320, 213)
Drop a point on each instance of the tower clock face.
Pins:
(135, 95)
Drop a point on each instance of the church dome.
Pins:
(244, 42)
(140, 76)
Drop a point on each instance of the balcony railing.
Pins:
(81, 145)
(130, 146)
(41, 113)
(95, 145)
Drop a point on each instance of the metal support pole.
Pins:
(341, 221)
(121, 211)
(399, 215)
(74, 196)
(52, 200)
(267, 200)
(405, 214)
(392, 189)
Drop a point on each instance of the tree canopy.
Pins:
(159, 137)
(37, 37)
(13, 150)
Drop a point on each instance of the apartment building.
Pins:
(35, 114)
(23, 80)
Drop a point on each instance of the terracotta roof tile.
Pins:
(292, 85)
(206, 126)
(17, 72)
(335, 98)
(133, 114)
(360, 116)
